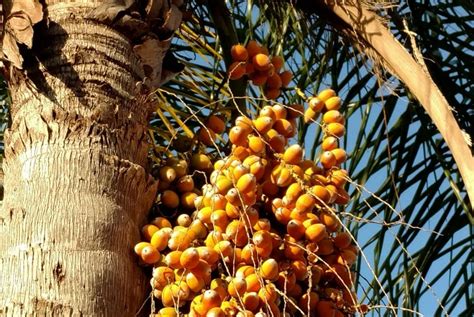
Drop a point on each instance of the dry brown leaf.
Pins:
(151, 53)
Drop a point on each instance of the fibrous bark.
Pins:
(76, 183)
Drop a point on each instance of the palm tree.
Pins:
(76, 178)
(410, 211)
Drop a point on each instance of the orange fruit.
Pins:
(316, 232)
(280, 111)
(295, 229)
(167, 312)
(206, 136)
(293, 192)
(175, 293)
(256, 144)
(328, 159)
(274, 82)
(281, 176)
(251, 301)
(339, 177)
(208, 254)
(148, 231)
(140, 246)
(277, 62)
(167, 174)
(326, 94)
(342, 197)
(150, 254)
(185, 184)
(316, 105)
(305, 202)
(342, 240)
(333, 103)
(219, 220)
(211, 299)
(332, 116)
(261, 62)
(195, 283)
(258, 78)
(201, 162)
(267, 111)
(239, 53)
(325, 247)
(269, 269)
(238, 136)
(244, 122)
(236, 232)
(286, 77)
(189, 258)
(293, 154)
(253, 282)
(329, 143)
(340, 155)
(269, 189)
(335, 129)
(308, 302)
(263, 124)
(321, 194)
(169, 199)
(284, 127)
(326, 308)
(216, 124)
(300, 268)
(262, 239)
(172, 259)
(276, 141)
(237, 70)
(272, 93)
(253, 48)
(237, 287)
(282, 214)
(187, 200)
(216, 312)
(160, 238)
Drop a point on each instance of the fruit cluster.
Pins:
(254, 61)
(264, 238)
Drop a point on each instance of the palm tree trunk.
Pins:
(76, 185)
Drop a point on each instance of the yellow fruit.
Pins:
(237, 233)
(335, 129)
(326, 94)
(333, 103)
(244, 123)
(140, 246)
(293, 154)
(316, 232)
(263, 124)
(237, 287)
(187, 200)
(276, 141)
(281, 176)
(160, 238)
(246, 183)
(167, 312)
(261, 62)
(148, 231)
(256, 144)
(269, 269)
(239, 53)
(332, 116)
(321, 194)
(150, 254)
(316, 104)
(310, 116)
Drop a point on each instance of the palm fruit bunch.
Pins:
(264, 238)
(263, 70)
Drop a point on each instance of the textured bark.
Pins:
(76, 185)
